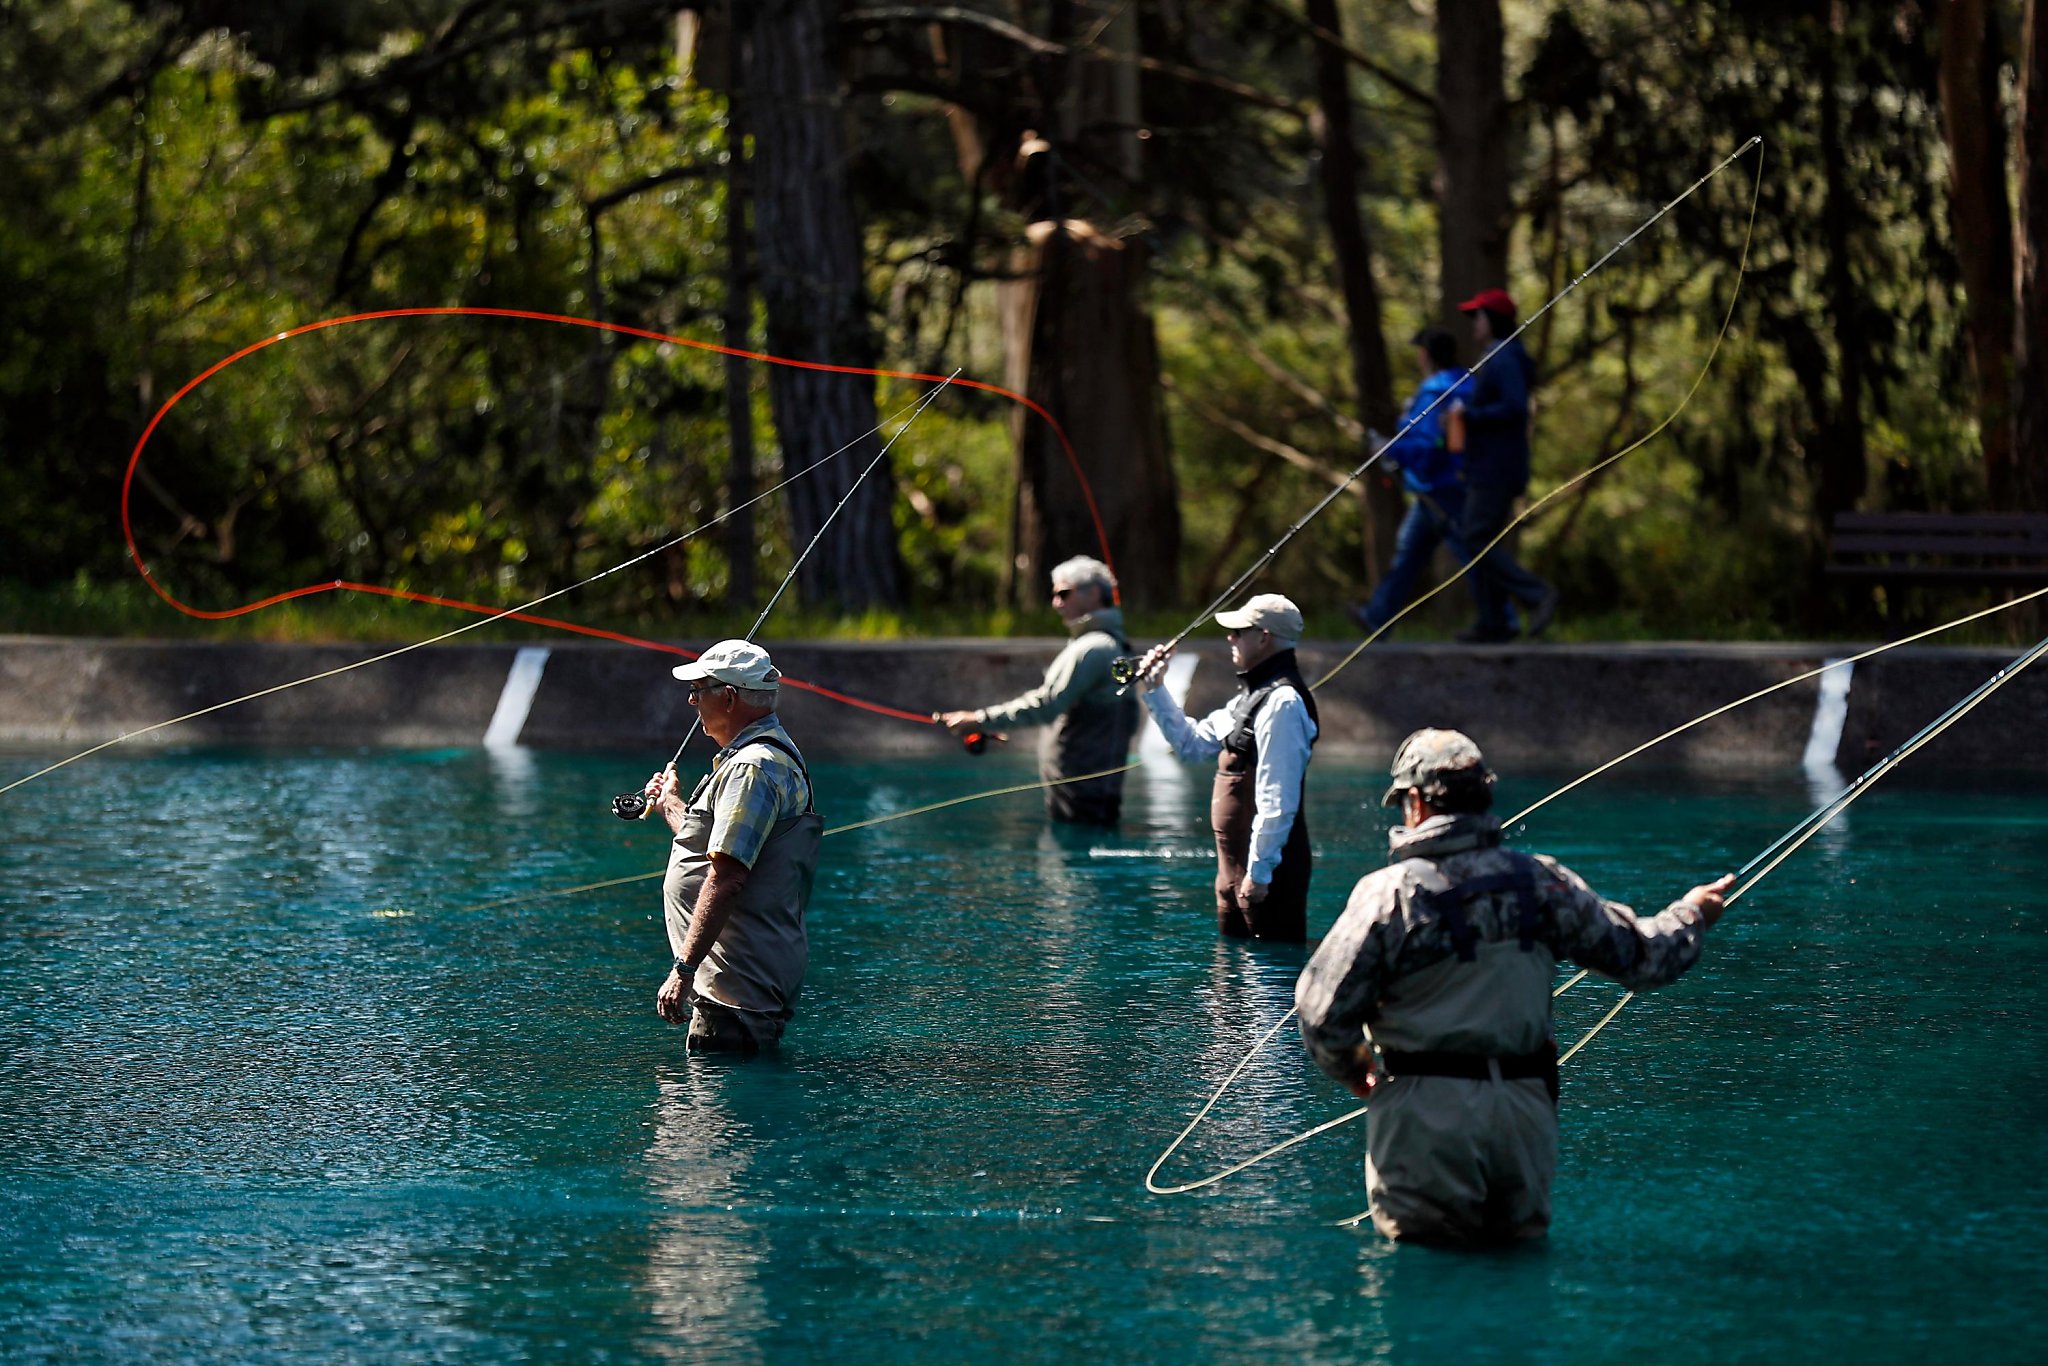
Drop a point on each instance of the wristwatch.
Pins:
(685, 970)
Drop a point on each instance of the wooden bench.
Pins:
(1985, 547)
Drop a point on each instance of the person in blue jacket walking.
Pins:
(1433, 474)
(1494, 405)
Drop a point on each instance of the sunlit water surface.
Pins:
(274, 1084)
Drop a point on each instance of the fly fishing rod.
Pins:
(634, 806)
(1787, 844)
(1125, 669)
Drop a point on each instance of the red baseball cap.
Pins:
(1492, 300)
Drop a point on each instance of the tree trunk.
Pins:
(1079, 337)
(1371, 373)
(1842, 474)
(1080, 342)
(741, 548)
(809, 243)
(2030, 336)
(1474, 211)
(1973, 123)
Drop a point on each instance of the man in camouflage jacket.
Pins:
(1442, 963)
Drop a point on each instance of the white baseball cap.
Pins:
(741, 663)
(1265, 612)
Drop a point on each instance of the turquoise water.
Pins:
(271, 1085)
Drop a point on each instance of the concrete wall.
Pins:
(1569, 706)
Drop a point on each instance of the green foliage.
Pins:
(186, 179)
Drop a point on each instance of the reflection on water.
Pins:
(250, 1109)
(703, 1266)
(1167, 782)
(513, 770)
(1824, 781)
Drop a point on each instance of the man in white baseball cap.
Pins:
(740, 663)
(1261, 743)
(745, 856)
(1088, 722)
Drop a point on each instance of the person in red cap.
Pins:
(1495, 410)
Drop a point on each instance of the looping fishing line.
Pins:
(564, 320)
(519, 613)
(1727, 320)
(1151, 1183)
(523, 613)
(1754, 871)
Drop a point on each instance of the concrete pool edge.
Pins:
(1568, 705)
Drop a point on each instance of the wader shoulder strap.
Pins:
(810, 788)
(1449, 906)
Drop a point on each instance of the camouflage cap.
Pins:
(1427, 757)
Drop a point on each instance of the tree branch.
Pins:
(1046, 47)
(1275, 371)
(1393, 79)
(412, 68)
(954, 14)
(614, 197)
(1293, 455)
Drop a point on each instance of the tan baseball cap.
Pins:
(741, 663)
(1265, 612)
(1427, 756)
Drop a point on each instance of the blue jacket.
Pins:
(1426, 464)
(1497, 418)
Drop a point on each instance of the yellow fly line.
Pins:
(1777, 856)
(1720, 336)
(1038, 786)
(1727, 320)
(1842, 803)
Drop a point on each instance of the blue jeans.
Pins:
(1498, 581)
(1432, 520)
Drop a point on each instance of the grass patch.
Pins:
(84, 607)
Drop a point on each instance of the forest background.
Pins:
(1199, 232)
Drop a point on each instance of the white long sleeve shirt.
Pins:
(1284, 733)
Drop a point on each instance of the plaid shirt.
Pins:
(751, 788)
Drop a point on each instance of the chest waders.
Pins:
(1233, 804)
(1448, 907)
(1094, 735)
(745, 989)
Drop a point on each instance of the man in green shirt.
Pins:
(1088, 727)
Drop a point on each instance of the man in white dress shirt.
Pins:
(1261, 743)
